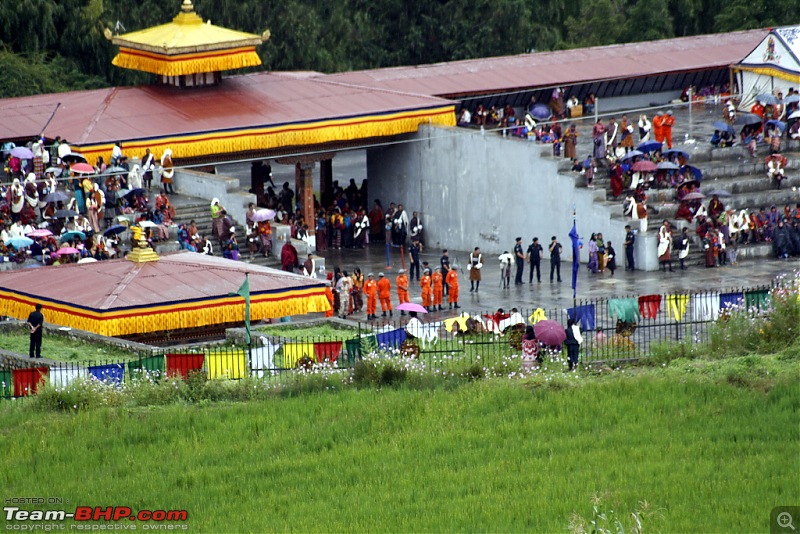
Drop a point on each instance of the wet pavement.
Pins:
(746, 274)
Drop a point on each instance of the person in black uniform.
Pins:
(535, 256)
(414, 251)
(35, 322)
(630, 238)
(445, 263)
(555, 258)
(519, 257)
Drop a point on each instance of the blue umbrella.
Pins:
(632, 154)
(767, 99)
(776, 124)
(69, 236)
(541, 111)
(676, 151)
(114, 230)
(650, 146)
(723, 127)
(19, 242)
(791, 98)
(696, 173)
(667, 166)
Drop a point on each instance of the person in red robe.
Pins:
(289, 260)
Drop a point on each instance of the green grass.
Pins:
(328, 331)
(64, 349)
(709, 448)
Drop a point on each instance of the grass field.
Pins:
(708, 455)
(64, 349)
(329, 331)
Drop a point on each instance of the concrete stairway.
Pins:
(730, 169)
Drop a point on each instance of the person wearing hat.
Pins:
(385, 294)
(401, 281)
(425, 286)
(371, 291)
(452, 283)
(438, 288)
(666, 128)
(519, 258)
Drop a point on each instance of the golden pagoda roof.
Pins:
(187, 45)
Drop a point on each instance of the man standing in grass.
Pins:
(35, 322)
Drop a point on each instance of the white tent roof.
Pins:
(778, 54)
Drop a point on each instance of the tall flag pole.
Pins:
(244, 292)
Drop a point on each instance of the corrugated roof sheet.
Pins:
(563, 67)
(174, 278)
(248, 101)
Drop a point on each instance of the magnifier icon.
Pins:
(785, 520)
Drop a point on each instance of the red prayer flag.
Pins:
(26, 381)
(328, 350)
(183, 363)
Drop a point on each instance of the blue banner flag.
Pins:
(576, 245)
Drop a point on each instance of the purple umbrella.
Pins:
(550, 333)
(541, 111)
(262, 215)
(411, 307)
(22, 152)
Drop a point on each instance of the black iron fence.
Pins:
(616, 329)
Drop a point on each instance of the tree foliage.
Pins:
(330, 36)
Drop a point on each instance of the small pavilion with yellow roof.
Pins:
(187, 52)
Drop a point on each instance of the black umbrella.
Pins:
(57, 196)
(723, 127)
(63, 214)
(135, 193)
(746, 119)
(74, 157)
(718, 192)
(114, 230)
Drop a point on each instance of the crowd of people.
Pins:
(56, 208)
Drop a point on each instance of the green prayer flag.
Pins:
(244, 292)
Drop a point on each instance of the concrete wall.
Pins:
(484, 190)
(208, 186)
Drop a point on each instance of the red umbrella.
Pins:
(411, 307)
(550, 333)
(82, 168)
(644, 166)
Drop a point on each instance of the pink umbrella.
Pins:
(41, 232)
(263, 215)
(67, 250)
(644, 166)
(412, 307)
(82, 168)
(550, 333)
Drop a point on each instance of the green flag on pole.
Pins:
(244, 292)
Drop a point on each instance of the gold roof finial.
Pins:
(187, 6)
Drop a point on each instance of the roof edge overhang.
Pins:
(188, 63)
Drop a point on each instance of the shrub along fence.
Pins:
(613, 330)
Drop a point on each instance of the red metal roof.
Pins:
(146, 112)
(175, 278)
(563, 67)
